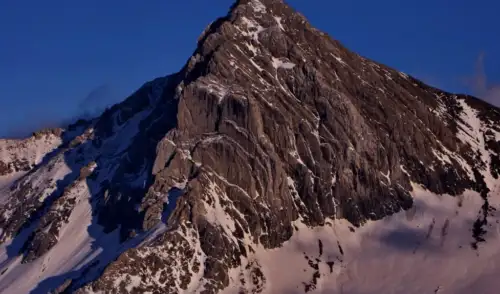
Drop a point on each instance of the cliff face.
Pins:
(270, 126)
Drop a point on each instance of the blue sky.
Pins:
(55, 54)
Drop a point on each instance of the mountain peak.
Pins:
(261, 6)
(270, 137)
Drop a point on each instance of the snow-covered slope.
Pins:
(424, 250)
(274, 161)
(19, 156)
(49, 229)
(73, 249)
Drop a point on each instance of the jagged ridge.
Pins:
(269, 123)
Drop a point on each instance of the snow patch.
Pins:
(471, 133)
(251, 48)
(256, 65)
(279, 63)
(278, 21)
(216, 89)
(253, 29)
(7, 180)
(340, 60)
(296, 155)
(258, 6)
(216, 214)
(387, 176)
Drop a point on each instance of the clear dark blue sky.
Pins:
(54, 54)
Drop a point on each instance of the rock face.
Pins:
(269, 123)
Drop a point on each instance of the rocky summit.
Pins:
(274, 161)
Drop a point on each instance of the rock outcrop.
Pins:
(269, 123)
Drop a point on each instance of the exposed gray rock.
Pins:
(270, 121)
(288, 123)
